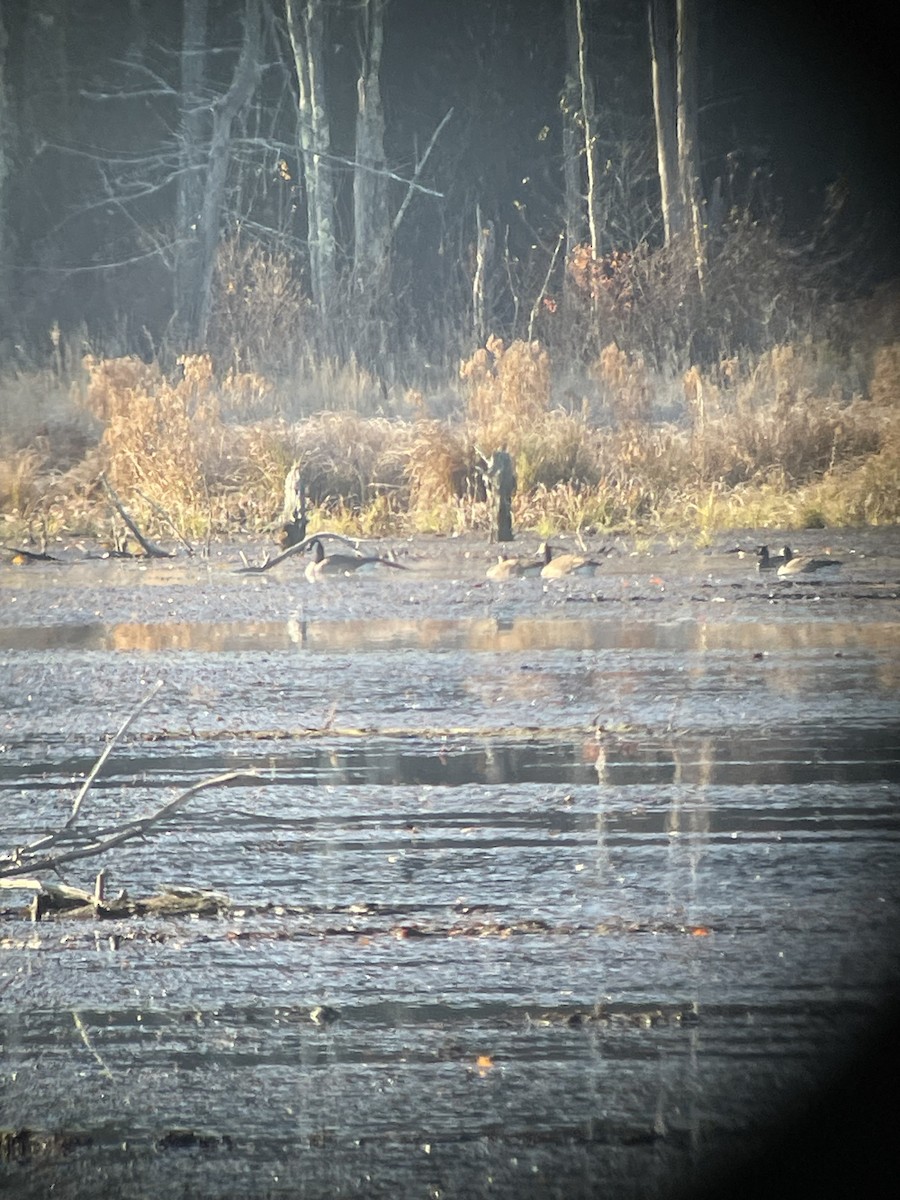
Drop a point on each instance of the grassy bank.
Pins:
(804, 434)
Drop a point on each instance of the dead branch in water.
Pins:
(29, 555)
(164, 516)
(149, 548)
(269, 563)
(21, 855)
(21, 867)
(107, 750)
(172, 900)
(31, 859)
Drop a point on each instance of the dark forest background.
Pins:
(796, 106)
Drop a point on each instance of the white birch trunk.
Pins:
(688, 154)
(306, 29)
(662, 53)
(372, 227)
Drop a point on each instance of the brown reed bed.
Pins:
(795, 436)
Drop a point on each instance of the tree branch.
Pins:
(21, 861)
(149, 548)
(420, 165)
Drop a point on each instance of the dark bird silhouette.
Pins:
(770, 562)
(292, 532)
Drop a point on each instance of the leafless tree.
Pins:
(588, 123)
(306, 25)
(688, 145)
(204, 164)
(573, 139)
(371, 223)
(5, 167)
(660, 14)
(674, 58)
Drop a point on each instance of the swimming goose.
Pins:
(515, 568)
(806, 564)
(768, 562)
(566, 564)
(342, 564)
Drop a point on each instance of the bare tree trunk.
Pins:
(484, 254)
(192, 137)
(306, 29)
(662, 53)
(6, 142)
(38, 112)
(499, 474)
(240, 92)
(573, 140)
(588, 121)
(688, 154)
(372, 227)
(201, 194)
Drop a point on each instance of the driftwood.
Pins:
(23, 1145)
(273, 561)
(149, 548)
(22, 868)
(52, 899)
(29, 555)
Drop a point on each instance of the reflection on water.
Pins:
(488, 634)
(616, 760)
(586, 894)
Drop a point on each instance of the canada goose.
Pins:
(566, 564)
(292, 532)
(342, 564)
(515, 568)
(768, 562)
(806, 564)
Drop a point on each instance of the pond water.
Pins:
(534, 889)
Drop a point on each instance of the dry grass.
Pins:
(20, 474)
(624, 386)
(796, 436)
(350, 459)
(44, 437)
(164, 443)
(260, 318)
(508, 390)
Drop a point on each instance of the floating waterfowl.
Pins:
(515, 568)
(342, 564)
(770, 562)
(806, 564)
(566, 564)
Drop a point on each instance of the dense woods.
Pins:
(335, 204)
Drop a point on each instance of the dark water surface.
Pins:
(558, 889)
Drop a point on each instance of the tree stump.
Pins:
(500, 484)
(293, 531)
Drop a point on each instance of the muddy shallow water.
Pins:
(536, 888)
